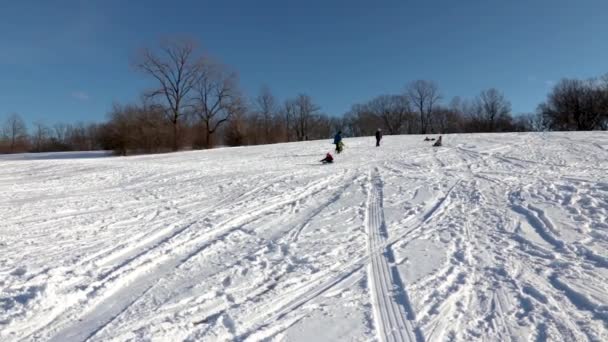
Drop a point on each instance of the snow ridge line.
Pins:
(389, 298)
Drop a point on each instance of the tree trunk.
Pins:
(422, 123)
(175, 145)
(208, 141)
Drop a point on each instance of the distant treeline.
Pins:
(196, 103)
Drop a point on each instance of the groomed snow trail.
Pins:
(492, 237)
(392, 309)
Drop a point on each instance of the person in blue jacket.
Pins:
(338, 142)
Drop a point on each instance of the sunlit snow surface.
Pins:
(492, 237)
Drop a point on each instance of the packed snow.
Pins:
(492, 237)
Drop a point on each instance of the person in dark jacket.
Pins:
(378, 137)
(328, 159)
(338, 137)
(338, 142)
(438, 142)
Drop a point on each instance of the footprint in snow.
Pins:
(19, 271)
(227, 281)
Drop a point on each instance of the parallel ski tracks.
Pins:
(104, 308)
(395, 317)
(393, 313)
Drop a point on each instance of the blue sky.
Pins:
(69, 60)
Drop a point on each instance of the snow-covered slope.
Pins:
(492, 237)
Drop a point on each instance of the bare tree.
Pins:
(320, 127)
(40, 136)
(423, 96)
(361, 120)
(493, 106)
(289, 116)
(217, 97)
(136, 129)
(575, 105)
(77, 137)
(92, 132)
(393, 110)
(448, 119)
(457, 117)
(15, 132)
(603, 94)
(531, 122)
(235, 131)
(305, 110)
(266, 108)
(177, 68)
(60, 131)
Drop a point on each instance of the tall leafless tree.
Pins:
(305, 110)
(177, 67)
(289, 118)
(574, 105)
(236, 131)
(217, 97)
(59, 133)
(361, 120)
(15, 132)
(423, 96)
(447, 119)
(40, 136)
(393, 110)
(266, 108)
(136, 129)
(603, 93)
(532, 122)
(493, 106)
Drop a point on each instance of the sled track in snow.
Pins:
(393, 312)
(114, 299)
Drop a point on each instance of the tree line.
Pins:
(195, 102)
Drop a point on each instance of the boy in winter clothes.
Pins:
(328, 159)
(438, 142)
(378, 137)
(338, 142)
(339, 146)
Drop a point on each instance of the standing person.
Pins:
(378, 137)
(338, 142)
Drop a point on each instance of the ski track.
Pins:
(491, 237)
(395, 318)
(117, 302)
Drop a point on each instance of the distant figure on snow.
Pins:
(378, 137)
(427, 139)
(328, 159)
(338, 142)
(438, 142)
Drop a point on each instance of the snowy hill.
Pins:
(491, 237)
